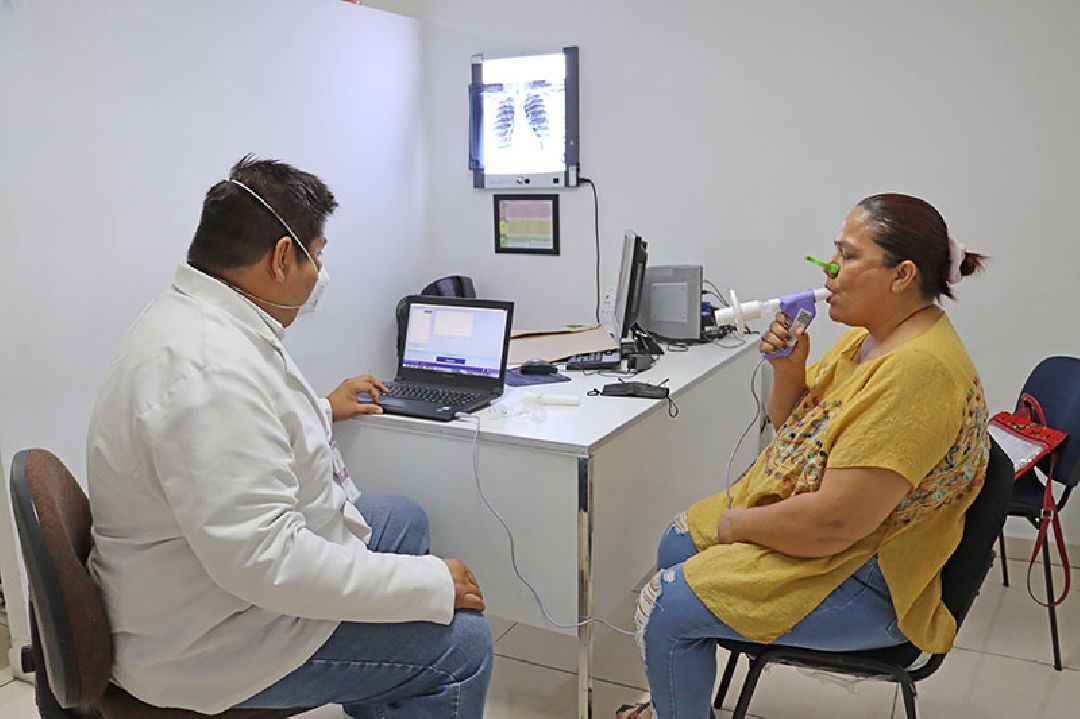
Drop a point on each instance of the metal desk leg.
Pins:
(585, 529)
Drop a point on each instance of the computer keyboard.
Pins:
(595, 360)
(435, 395)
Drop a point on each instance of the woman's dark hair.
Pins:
(908, 228)
(235, 229)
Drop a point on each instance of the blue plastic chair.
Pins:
(1055, 383)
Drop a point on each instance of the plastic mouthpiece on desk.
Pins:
(565, 400)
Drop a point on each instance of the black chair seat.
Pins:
(118, 704)
(1027, 498)
(901, 655)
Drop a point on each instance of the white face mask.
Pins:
(312, 302)
(320, 284)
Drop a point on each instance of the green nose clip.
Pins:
(831, 267)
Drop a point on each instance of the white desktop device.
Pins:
(671, 301)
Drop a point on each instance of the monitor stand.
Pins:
(640, 350)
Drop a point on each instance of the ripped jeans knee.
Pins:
(676, 634)
(647, 599)
(676, 544)
(681, 524)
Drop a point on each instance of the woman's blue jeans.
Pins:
(677, 633)
(418, 670)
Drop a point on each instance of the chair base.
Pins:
(1055, 641)
(864, 664)
(118, 704)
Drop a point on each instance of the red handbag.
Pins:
(1027, 440)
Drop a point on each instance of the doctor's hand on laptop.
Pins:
(356, 396)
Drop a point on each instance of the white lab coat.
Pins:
(225, 552)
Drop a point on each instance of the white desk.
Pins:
(587, 492)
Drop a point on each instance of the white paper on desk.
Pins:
(559, 344)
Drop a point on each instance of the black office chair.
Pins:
(1055, 384)
(961, 578)
(449, 286)
(71, 649)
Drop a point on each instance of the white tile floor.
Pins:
(1001, 667)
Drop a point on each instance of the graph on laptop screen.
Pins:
(455, 340)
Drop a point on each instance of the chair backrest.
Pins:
(52, 516)
(963, 574)
(1055, 383)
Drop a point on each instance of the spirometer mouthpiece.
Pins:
(740, 312)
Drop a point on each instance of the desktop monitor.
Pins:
(523, 120)
(631, 278)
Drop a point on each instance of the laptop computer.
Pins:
(453, 359)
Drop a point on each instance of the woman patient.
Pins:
(837, 535)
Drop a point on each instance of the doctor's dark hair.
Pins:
(908, 228)
(236, 230)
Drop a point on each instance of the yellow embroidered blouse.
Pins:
(917, 410)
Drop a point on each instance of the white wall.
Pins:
(738, 135)
(413, 8)
(117, 117)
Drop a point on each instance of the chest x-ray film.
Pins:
(523, 125)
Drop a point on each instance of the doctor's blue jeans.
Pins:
(414, 670)
(677, 633)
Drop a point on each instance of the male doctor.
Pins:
(238, 563)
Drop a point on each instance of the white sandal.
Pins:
(637, 710)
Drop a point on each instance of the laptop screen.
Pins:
(457, 339)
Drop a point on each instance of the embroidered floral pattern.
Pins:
(797, 458)
(789, 459)
(959, 473)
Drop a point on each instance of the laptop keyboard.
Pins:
(594, 360)
(435, 395)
